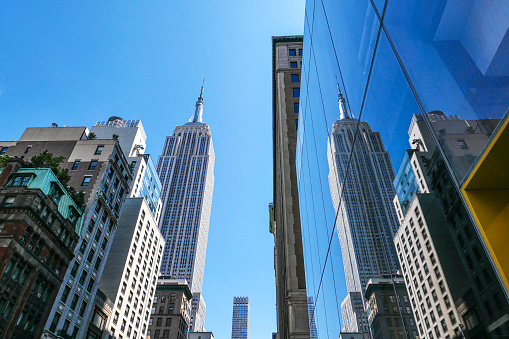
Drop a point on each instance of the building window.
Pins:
(296, 92)
(296, 107)
(75, 166)
(166, 334)
(99, 149)
(28, 149)
(462, 144)
(65, 294)
(168, 321)
(9, 201)
(295, 78)
(293, 52)
(293, 64)
(92, 165)
(74, 302)
(300, 52)
(159, 321)
(86, 181)
(83, 308)
(3, 150)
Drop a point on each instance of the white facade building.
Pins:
(132, 268)
(433, 305)
(186, 171)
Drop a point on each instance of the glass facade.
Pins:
(150, 188)
(240, 318)
(428, 77)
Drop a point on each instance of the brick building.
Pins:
(39, 229)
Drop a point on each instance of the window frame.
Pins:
(99, 150)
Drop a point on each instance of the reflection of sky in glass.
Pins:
(455, 52)
(151, 185)
(405, 183)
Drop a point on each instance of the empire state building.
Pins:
(186, 171)
(360, 179)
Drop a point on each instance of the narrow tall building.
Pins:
(132, 268)
(186, 171)
(291, 297)
(366, 221)
(240, 318)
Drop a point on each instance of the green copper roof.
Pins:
(45, 180)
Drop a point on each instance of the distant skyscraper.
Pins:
(313, 332)
(366, 221)
(186, 170)
(240, 319)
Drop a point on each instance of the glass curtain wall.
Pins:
(427, 75)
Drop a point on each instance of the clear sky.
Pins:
(74, 63)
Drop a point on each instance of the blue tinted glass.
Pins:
(293, 64)
(341, 55)
(437, 54)
(455, 53)
(295, 78)
(296, 107)
(292, 52)
(296, 92)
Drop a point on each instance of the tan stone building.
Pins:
(170, 315)
(291, 298)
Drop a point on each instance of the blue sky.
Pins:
(74, 63)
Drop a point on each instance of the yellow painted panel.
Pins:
(491, 209)
(487, 194)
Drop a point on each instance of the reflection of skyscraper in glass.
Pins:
(186, 169)
(366, 220)
(313, 332)
(240, 318)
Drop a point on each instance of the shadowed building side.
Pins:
(291, 297)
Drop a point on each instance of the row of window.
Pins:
(91, 166)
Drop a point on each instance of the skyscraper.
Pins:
(186, 171)
(313, 333)
(240, 318)
(285, 224)
(366, 220)
(132, 268)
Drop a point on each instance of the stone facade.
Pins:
(37, 239)
(291, 298)
(390, 313)
(170, 315)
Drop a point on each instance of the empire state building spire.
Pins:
(343, 110)
(198, 109)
